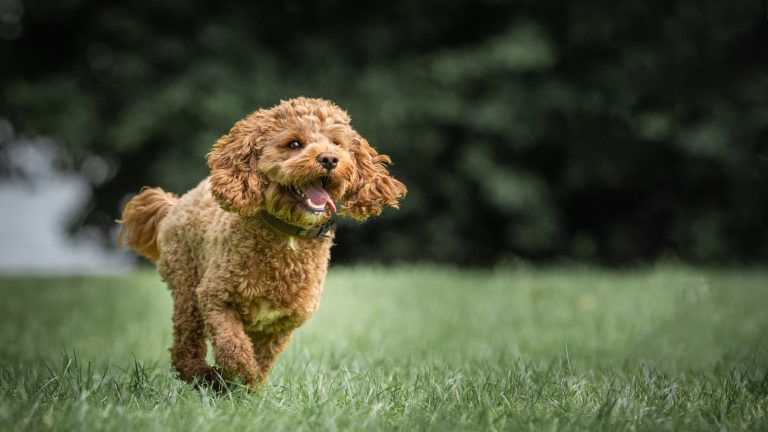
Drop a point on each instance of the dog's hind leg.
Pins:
(189, 350)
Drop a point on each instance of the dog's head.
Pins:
(296, 160)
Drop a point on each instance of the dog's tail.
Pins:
(141, 218)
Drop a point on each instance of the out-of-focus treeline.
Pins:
(603, 131)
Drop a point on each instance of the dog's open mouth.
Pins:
(313, 196)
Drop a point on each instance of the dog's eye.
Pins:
(293, 145)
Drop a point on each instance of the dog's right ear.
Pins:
(235, 180)
(372, 187)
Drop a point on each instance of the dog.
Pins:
(245, 253)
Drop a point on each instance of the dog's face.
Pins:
(296, 160)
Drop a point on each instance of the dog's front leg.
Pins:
(231, 347)
(266, 348)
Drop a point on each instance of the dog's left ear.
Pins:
(371, 187)
(235, 180)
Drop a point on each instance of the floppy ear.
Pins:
(235, 180)
(371, 187)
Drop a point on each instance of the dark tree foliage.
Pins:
(616, 132)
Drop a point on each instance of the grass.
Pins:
(412, 348)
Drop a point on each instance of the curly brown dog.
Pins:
(245, 253)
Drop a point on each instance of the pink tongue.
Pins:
(318, 195)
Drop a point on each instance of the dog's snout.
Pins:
(328, 160)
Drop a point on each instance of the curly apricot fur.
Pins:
(234, 280)
(373, 187)
(141, 217)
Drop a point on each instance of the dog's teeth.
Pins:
(312, 206)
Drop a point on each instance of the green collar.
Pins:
(295, 231)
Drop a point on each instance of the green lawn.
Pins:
(411, 348)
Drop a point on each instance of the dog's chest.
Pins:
(265, 317)
(281, 284)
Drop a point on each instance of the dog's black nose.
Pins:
(328, 160)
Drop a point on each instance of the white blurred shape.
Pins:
(34, 207)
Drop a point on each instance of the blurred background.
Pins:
(613, 133)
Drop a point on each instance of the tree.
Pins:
(614, 132)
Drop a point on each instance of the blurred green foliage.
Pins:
(614, 132)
